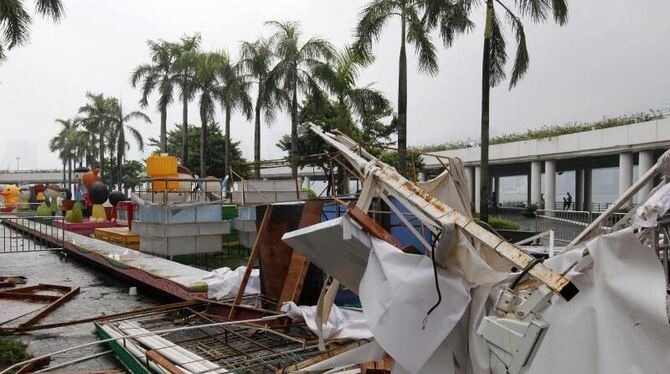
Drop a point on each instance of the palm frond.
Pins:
(560, 11)
(423, 44)
(537, 10)
(371, 23)
(15, 22)
(521, 59)
(50, 8)
(498, 55)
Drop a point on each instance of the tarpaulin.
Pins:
(223, 283)
(397, 290)
(342, 323)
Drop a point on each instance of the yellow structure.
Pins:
(161, 168)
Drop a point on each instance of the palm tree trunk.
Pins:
(64, 166)
(163, 130)
(257, 133)
(484, 192)
(184, 135)
(226, 156)
(69, 175)
(402, 101)
(101, 150)
(203, 143)
(294, 127)
(119, 178)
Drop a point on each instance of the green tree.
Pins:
(414, 30)
(130, 174)
(96, 120)
(302, 67)
(352, 99)
(256, 60)
(158, 76)
(186, 60)
(234, 95)
(208, 87)
(64, 144)
(215, 150)
(15, 21)
(120, 129)
(495, 57)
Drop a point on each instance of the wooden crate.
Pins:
(120, 236)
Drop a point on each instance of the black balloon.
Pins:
(116, 196)
(99, 193)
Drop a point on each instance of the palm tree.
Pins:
(158, 76)
(495, 57)
(15, 21)
(302, 66)
(413, 30)
(234, 95)
(346, 69)
(207, 86)
(185, 62)
(61, 144)
(256, 60)
(118, 121)
(96, 121)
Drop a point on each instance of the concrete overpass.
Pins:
(622, 147)
(31, 176)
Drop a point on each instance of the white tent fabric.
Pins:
(341, 324)
(224, 282)
(397, 290)
(618, 323)
(655, 207)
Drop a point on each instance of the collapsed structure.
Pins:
(477, 304)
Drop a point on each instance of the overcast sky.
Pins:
(613, 57)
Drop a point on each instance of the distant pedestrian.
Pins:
(565, 203)
(542, 201)
(569, 201)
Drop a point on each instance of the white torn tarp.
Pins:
(655, 207)
(397, 291)
(343, 323)
(223, 283)
(618, 322)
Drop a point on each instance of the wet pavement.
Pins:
(99, 294)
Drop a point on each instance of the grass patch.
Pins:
(501, 223)
(12, 351)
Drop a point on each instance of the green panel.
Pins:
(229, 211)
(127, 359)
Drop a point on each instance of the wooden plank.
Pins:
(375, 229)
(251, 263)
(163, 362)
(51, 307)
(104, 317)
(295, 276)
(28, 296)
(34, 365)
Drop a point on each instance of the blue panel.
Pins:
(402, 233)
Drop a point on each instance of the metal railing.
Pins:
(171, 190)
(567, 224)
(31, 234)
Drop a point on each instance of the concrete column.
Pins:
(306, 182)
(478, 187)
(496, 184)
(625, 172)
(579, 189)
(535, 183)
(588, 195)
(470, 176)
(550, 184)
(645, 163)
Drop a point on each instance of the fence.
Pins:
(25, 234)
(567, 224)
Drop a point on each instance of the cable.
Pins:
(525, 271)
(437, 283)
